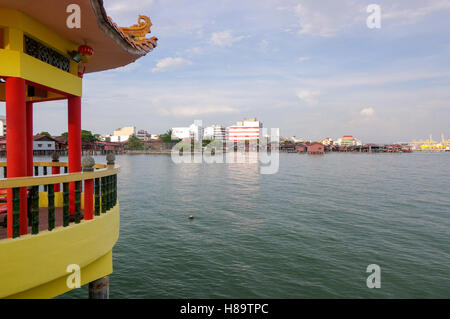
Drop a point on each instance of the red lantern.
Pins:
(86, 52)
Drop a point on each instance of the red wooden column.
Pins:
(29, 112)
(88, 166)
(74, 115)
(16, 157)
(55, 171)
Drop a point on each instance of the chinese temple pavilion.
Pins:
(58, 221)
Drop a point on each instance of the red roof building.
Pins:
(316, 148)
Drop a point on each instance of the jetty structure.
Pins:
(59, 225)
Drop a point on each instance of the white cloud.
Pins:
(190, 111)
(264, 45)
(410, 12)
(308, 96)
(129, 6)
(194, 50)
(303, 59)
(225, 38)
(170, 63)
(327, 18)
(368, 111)
(380, 77)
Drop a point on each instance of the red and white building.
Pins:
(248, 129)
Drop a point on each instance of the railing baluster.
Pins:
(16, 212)
(103, 179)
(45, 173)
(114, 190)
(51, 206)
(77, 202)
(110, 192)
(65, 204)
(103, 197)
(97, 196)
(114, 185)
(35, 210)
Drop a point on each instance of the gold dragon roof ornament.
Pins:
(137, 33)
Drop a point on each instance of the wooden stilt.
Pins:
(99, 289)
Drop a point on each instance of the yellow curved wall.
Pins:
(34, 266)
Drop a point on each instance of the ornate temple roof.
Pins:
(113, 46)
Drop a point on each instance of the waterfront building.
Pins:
(2, 125)
(143, 135)
(194, 131)
(214, 132)
(74, 223)
(153, 144)
(109, 147)
(61, 143)
(2, 145)
(327, 141)
(294, 139)
(122, 134)
(44, 143)
(347, 140)
(431, 145)
(301, 148)
(248, 129)
(316, 148)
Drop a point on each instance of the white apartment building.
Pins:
(121, 134)
(194, 131)
(214, 132)
(143, 135)
(248, 129)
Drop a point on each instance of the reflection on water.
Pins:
(308, 231)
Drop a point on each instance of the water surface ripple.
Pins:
(307, 232)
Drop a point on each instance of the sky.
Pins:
(309, 67)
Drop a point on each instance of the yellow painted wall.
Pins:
(35, 266)
(43, 199)
(14, 62)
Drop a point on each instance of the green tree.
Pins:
(45, 133)
(87, 136)
(167, 137)
(134, 143)
(206, 142)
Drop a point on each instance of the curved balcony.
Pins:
(70, 219)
